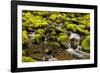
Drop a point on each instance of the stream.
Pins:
(70, 53)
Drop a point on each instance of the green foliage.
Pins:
(24, 37)
(86, 44)
(28, 59)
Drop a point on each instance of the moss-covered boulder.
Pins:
(54, 44)
(63, 39)
(86, 44)
(40, 31)
(38, 38)
(71, 27)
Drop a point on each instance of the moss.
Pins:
(38, 37)
(54, 44)
(38, 56)
(63, 38)
(24, 53)
(33, 21)
(72, 27)
(46, 50)
(24, 37)
(80, 30)
(52, 38)
(28, 59)
(86, 44)
(40, 31)
(53, 16)
(52, 31)
(81, 26)
(59, 30)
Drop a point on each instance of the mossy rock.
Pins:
(86, 44)
(40, 31)
(59, 30)
(52, 38)
(71, 27)
(63, 38)
(38, 56)
(24, 53)
(54, 44)
(24, 37)
(28, 59)
(38, 38)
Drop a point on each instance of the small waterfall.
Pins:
(31, 35)
(45, 40)
(76, 52)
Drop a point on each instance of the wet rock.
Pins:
(78, 54)
(52, 59)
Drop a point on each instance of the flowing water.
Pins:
(67, 54)
(77, 53)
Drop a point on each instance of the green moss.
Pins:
(63, 37)
(28, 59)
(52, 38)
(81, 26)
(40, 31)
(53, 16)
(59, 30)
(38, 37)
(72, 27)
(54, 44)
(24, 53)
(52, 31)
(33, 21)
(24, 37)
(86, 44)
(80, 30)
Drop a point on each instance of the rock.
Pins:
(75, 35)
(78, 54)
(52, 59)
